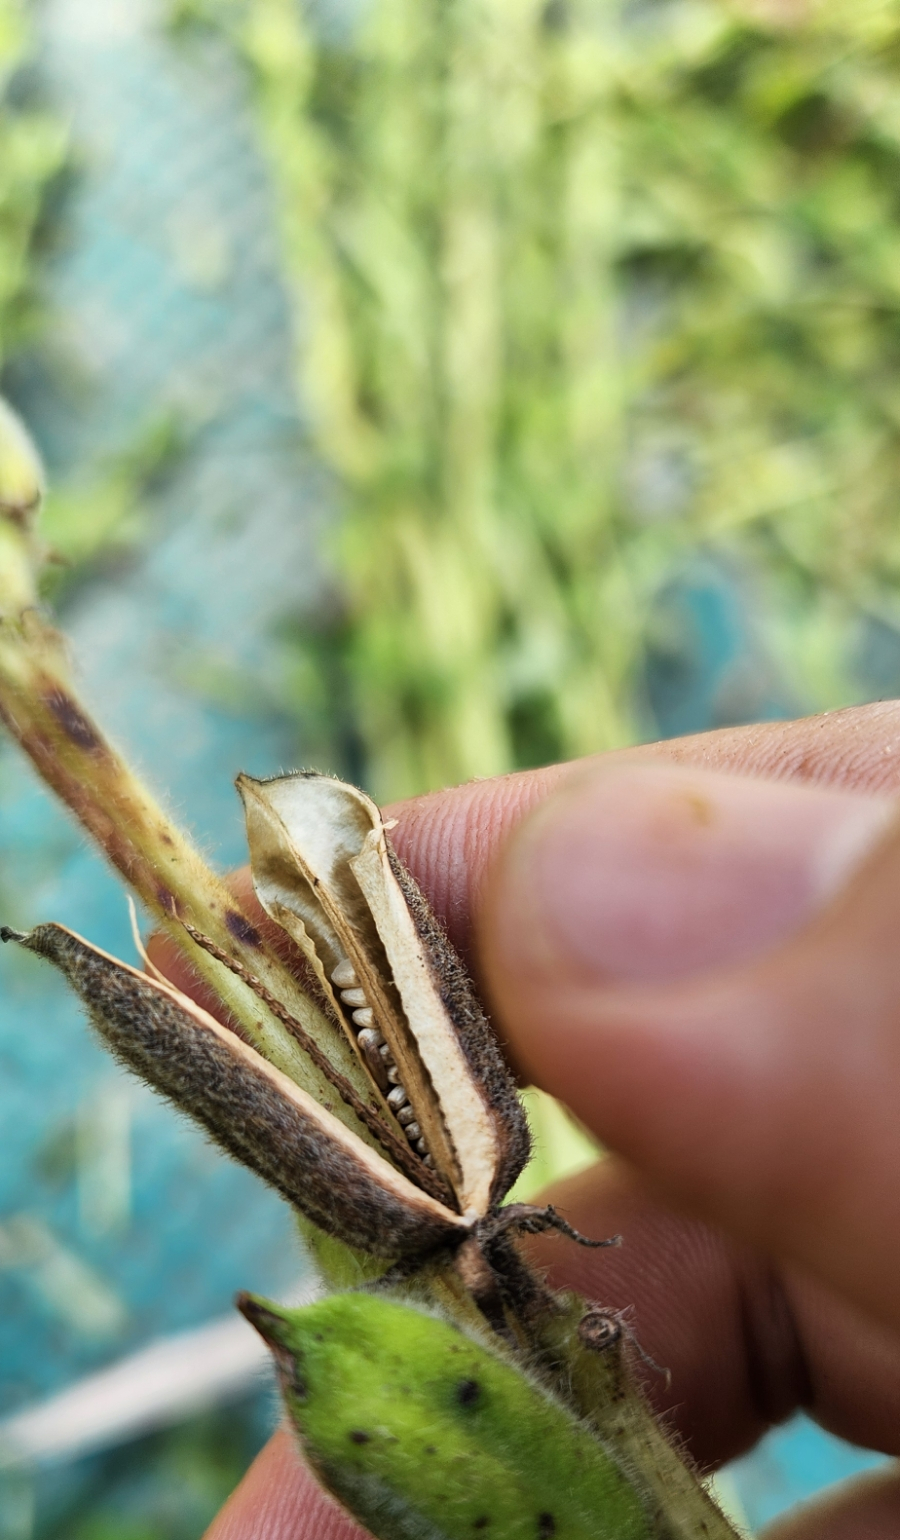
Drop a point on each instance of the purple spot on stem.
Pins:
(241, 929)
(76, 726)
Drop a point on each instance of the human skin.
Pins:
(695, 945)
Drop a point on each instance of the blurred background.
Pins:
(428, 388)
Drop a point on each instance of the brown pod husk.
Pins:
(248, 1107)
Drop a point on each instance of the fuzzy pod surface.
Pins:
(423, 1434)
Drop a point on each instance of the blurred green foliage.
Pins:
(98, 509)
(583, 287)
(101, 509)
(32, 147)
(165, 1486)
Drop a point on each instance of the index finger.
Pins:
(448, 839)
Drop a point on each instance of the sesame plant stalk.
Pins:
(39, 706)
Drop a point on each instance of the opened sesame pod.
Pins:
(323, 870)
(423, 1434)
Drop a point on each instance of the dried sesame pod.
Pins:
(423, 1434)
(249, 1107)
(323, 869)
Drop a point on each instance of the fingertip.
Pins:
(633, 879)
(448, 839)
(642, 873)
(757, 1089)
(279, 1499)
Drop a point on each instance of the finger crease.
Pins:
(779, 1379)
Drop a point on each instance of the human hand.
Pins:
(706, 970)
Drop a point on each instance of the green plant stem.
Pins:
(601, 1387)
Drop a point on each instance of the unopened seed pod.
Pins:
(423, 1434)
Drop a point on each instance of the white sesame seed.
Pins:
(344, 975)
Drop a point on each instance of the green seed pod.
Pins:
(423, 1434)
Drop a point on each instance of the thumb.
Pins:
(706, 969)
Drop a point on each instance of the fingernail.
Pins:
(651, 872)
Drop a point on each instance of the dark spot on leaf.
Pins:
(73, 721)
(467, 1392)
(359, 1437)
(241, 929)
(482, 1522)
(546, 1525)
(430, 1449)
